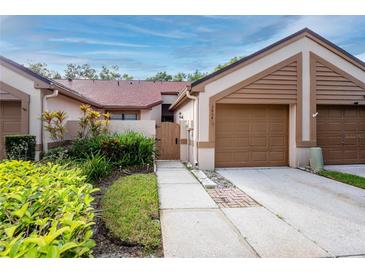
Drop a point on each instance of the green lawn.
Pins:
(130, 210)
(344, 178)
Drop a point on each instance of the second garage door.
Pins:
(341, 134)
(251, 135)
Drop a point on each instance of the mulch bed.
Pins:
(108, 246)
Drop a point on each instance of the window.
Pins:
(167, 115)
(123, 116)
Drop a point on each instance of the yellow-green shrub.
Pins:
(45, 211)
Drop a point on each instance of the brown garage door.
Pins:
(10, 121)
(251, 135)
(341, 134)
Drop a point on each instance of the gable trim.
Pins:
(199, 84)
(215, 99)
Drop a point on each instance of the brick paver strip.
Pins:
(231, 197)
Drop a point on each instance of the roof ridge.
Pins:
(273, 45)
(137, 80)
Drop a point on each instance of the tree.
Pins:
(110, 73)
(160, 76)
(179, 77)
(85, 71)
(73, 71)
(231, 61)
(196, 75)
(42, 69)
(125, 76)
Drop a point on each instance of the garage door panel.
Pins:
(350, 126)
(350, 155)
(277, 156)
(278, 127)
(328, 141)
(258, 141)
(362, 153)
(350, 140)
(341, 134)
(242, 156)
(261, 141)
(10, 121)
(258, 128)
(259, 156)
(278, 141)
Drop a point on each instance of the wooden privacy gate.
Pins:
(168, 141)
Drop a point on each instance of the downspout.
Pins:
(196, 124)
(44, 109)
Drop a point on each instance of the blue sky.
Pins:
(144, 45)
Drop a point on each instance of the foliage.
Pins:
(42, 69)
(160, 76)
(92, 123)
(85, 71)
(45, 211)
(130, 210)
(231, 61)
(128, 149)
(126, 76)
(137, 149)
(95, 167)
(196, 75)
(109, 73)
(83, 147)
(54, 123)
(20, 147)
(57, 155)
(179, 77)
(344, 178)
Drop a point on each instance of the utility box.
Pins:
(316, 159)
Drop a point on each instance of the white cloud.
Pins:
(95, 42)
(361, 56)
(167, 34)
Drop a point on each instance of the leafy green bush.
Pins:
(57, 154)
(128, 149)
(96, 167)
(84, 147)
(137, 149)
(20, 147)
(45, 211)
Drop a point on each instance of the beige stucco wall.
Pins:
(168, 99)
(152, 114)
(70, 106)
(297, 156)
(26, 85)
(186, 130)
(146, 127)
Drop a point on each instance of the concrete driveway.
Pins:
(307, 209)
(358, 170)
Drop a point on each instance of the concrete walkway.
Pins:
(358, 170)
(192, 224)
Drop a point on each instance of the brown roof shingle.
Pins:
(124, 93)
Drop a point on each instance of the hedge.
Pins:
(45, 211)
(20, 147)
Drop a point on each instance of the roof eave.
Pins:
(150, 106)
(306, 32)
